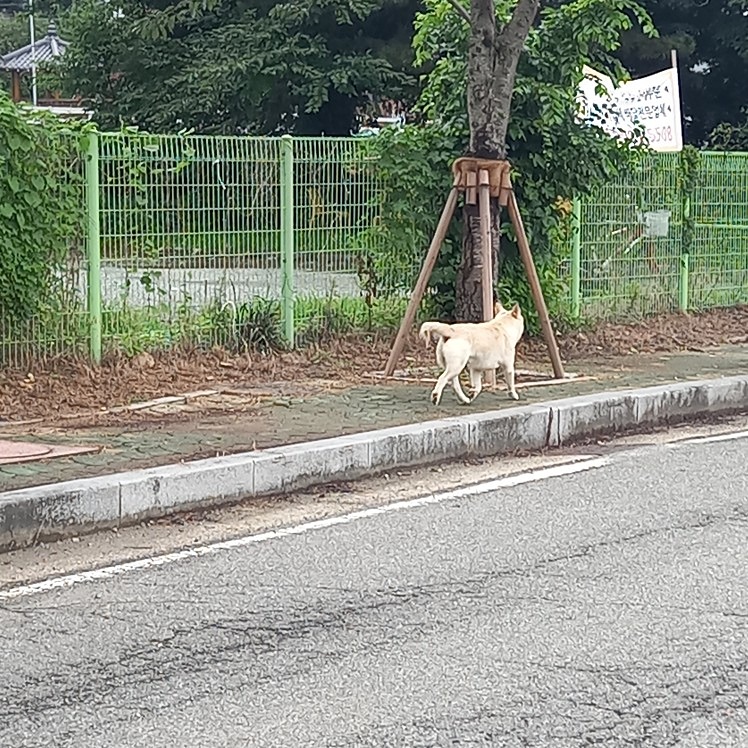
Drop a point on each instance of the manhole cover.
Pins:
(12, 452)
(22, 450)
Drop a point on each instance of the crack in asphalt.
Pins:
(566, 704)
(264, 638)
(653, 715)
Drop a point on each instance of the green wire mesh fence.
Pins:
(234, 241)
(718, 274)
(663, 237)
(630, 244)
(262, 242)
(190, 234)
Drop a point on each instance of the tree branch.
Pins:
(482, 21)
(521, 20)
(460, 10)
(518, 27)
(493, 55)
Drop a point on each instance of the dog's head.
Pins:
(499, 311)
(509, 319)
(498, 308)
(515, 322)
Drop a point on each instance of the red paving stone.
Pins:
(12, 452)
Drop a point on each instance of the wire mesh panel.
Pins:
(218, 240)
(337, 199)
(719, 249)
(631, 241)
(190, 237)
(59, 322)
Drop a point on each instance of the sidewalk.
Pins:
(369, 406)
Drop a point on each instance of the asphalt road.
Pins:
(607, 607)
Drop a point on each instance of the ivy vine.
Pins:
(42, 208)
(688, 175)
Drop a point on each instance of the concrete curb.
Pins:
(79, 506)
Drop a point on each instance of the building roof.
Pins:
(49, 47)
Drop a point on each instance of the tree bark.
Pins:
(493, 55)
(469, 299)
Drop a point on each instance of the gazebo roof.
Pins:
(49, 47)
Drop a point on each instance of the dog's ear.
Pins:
(498, 308)
(516, 311)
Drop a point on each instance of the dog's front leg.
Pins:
(509, 379)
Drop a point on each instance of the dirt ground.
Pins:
(64, 388)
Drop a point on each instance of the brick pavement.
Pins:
(363, 408)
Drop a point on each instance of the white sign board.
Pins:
(652, 103)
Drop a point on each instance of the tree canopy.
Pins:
(228, 66)
(711, 39)
(235, 65)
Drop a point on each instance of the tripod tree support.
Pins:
(423, 281)
(488, 178)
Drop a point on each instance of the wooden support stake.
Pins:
(422, 282)
(537, 291)
(484, 207)
(471, 179)
(506, 187)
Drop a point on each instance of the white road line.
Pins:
(732, 436)
(477, 489)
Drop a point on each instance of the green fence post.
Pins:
(684, 264)
(683, 283)
(287, 240)
(93, 246)
(576, 258)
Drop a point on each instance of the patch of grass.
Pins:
(257, 326)
(321, 318)
(254, 325)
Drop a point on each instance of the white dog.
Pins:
(480, 346)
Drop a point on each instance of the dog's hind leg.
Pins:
(441, 383)
(455, 355)
(440, 353)
(458, 390)
(445, 378)
(476, 383)
(451, 374)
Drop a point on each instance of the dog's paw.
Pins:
(435, 398)
(514, 395)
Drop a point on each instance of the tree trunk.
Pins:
(469, 299)
(493, 55)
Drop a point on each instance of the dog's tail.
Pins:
(437, 328)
